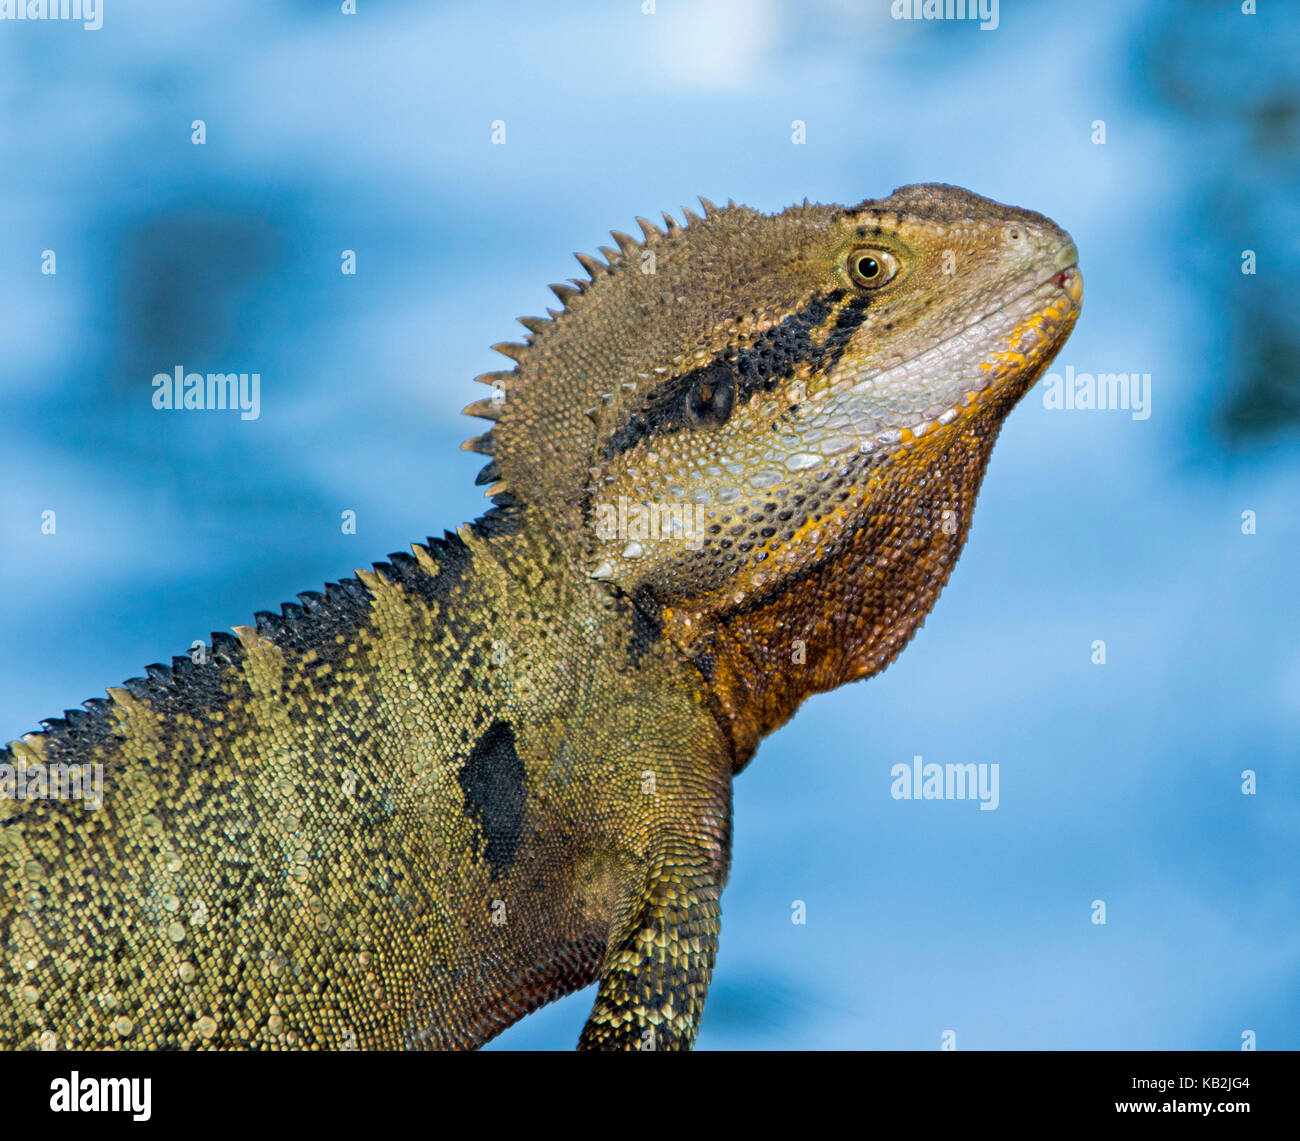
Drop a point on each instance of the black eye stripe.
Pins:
(732, 377)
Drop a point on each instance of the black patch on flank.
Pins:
(707, 395)
(492, 779)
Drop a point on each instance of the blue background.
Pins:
(1119, 782)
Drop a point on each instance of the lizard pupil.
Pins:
(868, 268)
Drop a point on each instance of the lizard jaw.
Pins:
(1021, 336)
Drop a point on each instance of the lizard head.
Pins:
(768, 431)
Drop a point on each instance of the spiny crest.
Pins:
(310, 624)
(615, 261)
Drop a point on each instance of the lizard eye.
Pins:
(870, 269)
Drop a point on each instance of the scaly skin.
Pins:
(480, 777)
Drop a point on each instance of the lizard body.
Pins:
(733, 471)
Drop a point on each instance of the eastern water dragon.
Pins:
(734, 469)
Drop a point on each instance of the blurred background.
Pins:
(372, 132)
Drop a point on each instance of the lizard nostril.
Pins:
(1067, 256)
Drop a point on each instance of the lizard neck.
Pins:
(522, 542)
(851, 614)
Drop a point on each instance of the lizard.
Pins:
(734, 469)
